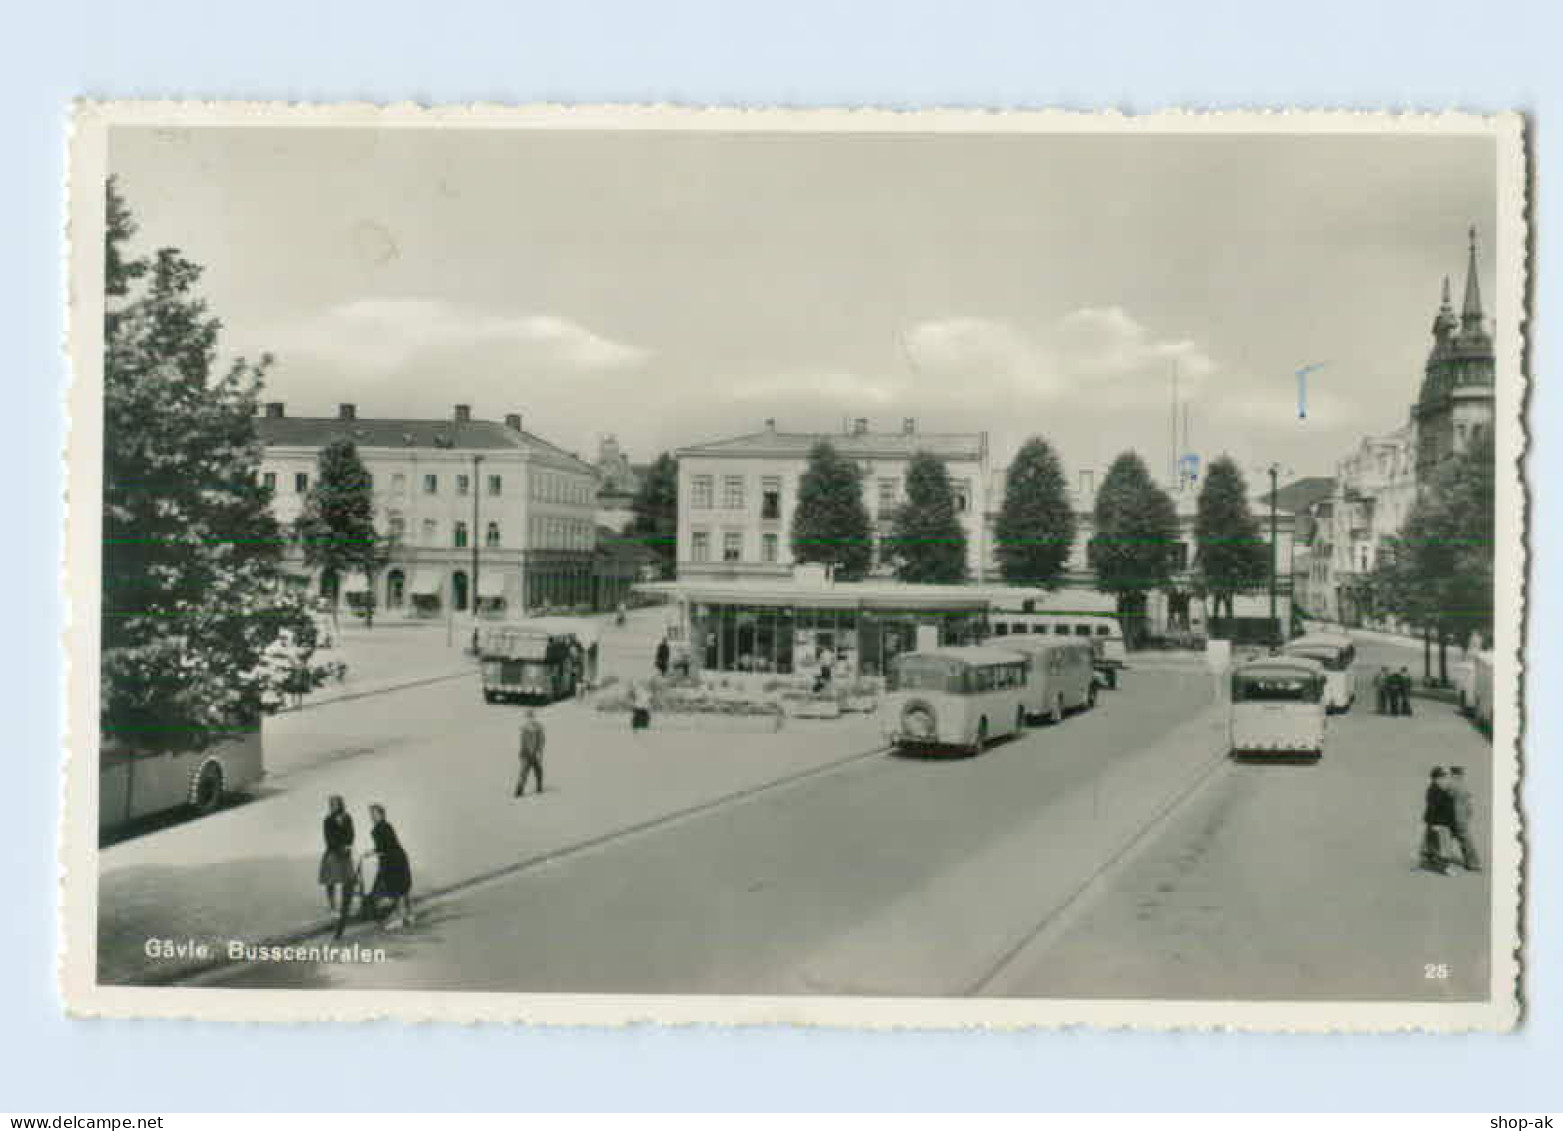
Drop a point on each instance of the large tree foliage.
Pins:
(926, 542)
(1133, 546)
(1036, 524)
(336, 527)
(1232, 557)
(655, 522)
(192, 597)
(1437, 573)
(830, 524)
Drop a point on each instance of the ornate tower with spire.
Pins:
(1455, 405)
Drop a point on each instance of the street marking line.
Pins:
(218, 967)
(1060, 916)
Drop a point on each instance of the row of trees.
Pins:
(1134, 548)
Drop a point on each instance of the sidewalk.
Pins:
(249, 872)
(389, 657)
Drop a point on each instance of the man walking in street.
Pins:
(532, 740)
(1464, 812)
(1404, 684)
(1382, 683)
(1437, 823)
(663, 651)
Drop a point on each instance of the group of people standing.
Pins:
(1448, 813)
(1393, 690)
(341, 876)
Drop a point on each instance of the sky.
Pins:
(671, 287)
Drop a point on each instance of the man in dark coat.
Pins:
(531, 753)
(1438, 817)
(663, 652)
(1463, 812)
(1405, 691)
(1383, 686)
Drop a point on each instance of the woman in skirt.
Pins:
(336, 863)
(640, 707)
(393, 877)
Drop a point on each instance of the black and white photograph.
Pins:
(922, 569)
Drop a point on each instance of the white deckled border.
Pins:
(91, 124)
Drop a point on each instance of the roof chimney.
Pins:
(860, 426)
(463, 414)
(909, 426)
(513, 421)
(274, 410)
(347, 412)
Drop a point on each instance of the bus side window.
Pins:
(1038, 628)
(1001, 629)
(1103, 630)
(1061, 630)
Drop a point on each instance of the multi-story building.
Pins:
(1377, 484)
(453, 497)
(617, 482)
(736, 496)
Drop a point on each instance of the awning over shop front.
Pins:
(491, 584)
(355, 583)
(425, 583)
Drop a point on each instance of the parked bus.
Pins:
(1102, 629)
(1475, 684)
(135, 783)
(955, 698)
(536, 661)
(1062, 675)
(1337, 655)
(1278, 707)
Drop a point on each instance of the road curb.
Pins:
(298, 935)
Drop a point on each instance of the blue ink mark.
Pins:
(1302, 387)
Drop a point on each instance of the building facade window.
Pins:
(463, 484)
(496, 485)
(491, 536)
(700, 546)
(431, 531)
(269, 480)
(733, 493)
(700, 488)
(459, 535)
(770, 498)
(768, 547)
(961, 489)
(300, 482)
(732, 546)
(396, 526)
(399, 485)
(431, 484)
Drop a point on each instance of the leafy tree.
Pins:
(1231, 557)
(1133, 545)
(830, 524)
(336, 527)
(1036, 525)
(655, 524)
(192, 595)
(926, 542)
(1437, 573)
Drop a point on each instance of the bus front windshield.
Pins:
(928, 673)
(1332, 659)
(1275, 688)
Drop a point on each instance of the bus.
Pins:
(1475, 684)
(1337, 655)
(955, 698)
(135, 783)
(1278, 707)
(536, 661)
(1062, 675)
(1101, 629)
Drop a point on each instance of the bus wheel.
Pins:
(206, 795)
(488, 697)
(981, 743)
(1057, 715)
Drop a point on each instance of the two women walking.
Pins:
(1448, 814)
(392, 890)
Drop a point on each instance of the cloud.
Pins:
(391, 334)
(1106, 342)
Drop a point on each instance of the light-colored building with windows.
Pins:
(737, 496)
(451, 496)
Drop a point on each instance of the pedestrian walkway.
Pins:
(249, 872)
(390, 656)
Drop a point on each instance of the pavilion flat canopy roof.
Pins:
(840, 595)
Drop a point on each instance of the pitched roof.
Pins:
(859, 445)
(1301, 494)
(383, 432)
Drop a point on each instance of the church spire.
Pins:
(1444, 324)
(1471, 312)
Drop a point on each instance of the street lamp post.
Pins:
(477, 461)
(1274, 550)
